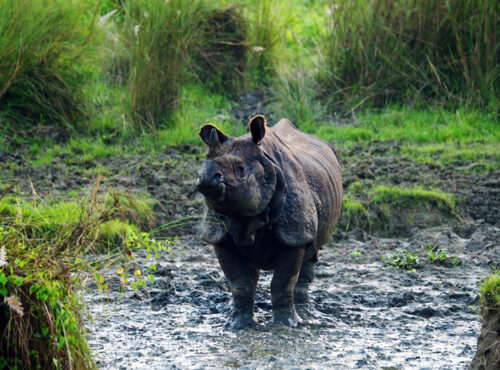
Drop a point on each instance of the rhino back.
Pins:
(314, 184)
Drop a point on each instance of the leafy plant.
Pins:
(44, 251)
(440, 256)
(402, 259)
(355, 254)
(411, 261)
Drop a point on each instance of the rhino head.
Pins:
(240, 181)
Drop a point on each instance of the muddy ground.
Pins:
(363, 313)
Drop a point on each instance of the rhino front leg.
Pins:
(286, 272)
(243, 281)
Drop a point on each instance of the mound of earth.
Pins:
(488, 346)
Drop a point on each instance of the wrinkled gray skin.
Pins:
(273, 197)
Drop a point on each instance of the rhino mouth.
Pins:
(213, 192)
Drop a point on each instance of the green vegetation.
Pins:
(402, 197)
(392, 209)
(355, 254)
(129, 78)
(402, 259)
(44, 60)
(412, 261)
(44, 246)
(354, 212)
(401, 50)
(158, 38)
(490, 291)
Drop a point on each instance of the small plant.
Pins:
(410, 261)
(355, 254)
(440, 256)
(402, 259)
(153, 248)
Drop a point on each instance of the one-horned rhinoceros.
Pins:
(273, 197)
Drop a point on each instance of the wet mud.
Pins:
(363, 312)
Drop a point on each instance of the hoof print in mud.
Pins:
(273, 197)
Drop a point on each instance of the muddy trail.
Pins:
(363, 313)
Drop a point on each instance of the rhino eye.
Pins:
(241, 170)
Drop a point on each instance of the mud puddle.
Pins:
(363, 313)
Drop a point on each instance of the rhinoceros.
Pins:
(273, 198)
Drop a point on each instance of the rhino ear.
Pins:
(211, 135)
(257, 126)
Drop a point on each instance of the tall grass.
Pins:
(405, 50)
(219, 54)
(267, 24)
(159, 35)
(43, 46)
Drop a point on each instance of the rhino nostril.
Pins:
(218, 177)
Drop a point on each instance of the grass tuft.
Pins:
(490, 291)
(401, 197)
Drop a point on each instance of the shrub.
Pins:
(399, 50)
(43, 46)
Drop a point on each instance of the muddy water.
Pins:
(362, 314)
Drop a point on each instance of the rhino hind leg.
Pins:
(243, 281)
(306, 276)
(283, 284)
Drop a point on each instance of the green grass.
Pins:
(50, 218)
(386, 209)
(402, 197)
(432, 125)
(267, 25)
(354, 213)
(464, 139)
(81, 151)
(44, 246)
(196, 107)
(490, 291)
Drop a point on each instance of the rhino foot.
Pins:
(239, 321)
(288, 318)
(301, 295)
